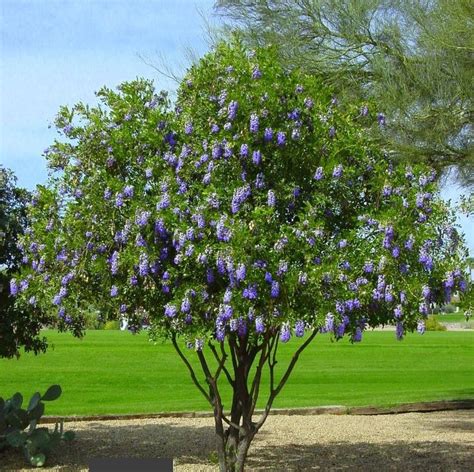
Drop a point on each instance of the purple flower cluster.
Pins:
(241, 194)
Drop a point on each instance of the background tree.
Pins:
(18, 328)
(256, 210)
(414, 58)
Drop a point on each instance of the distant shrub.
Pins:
(112, 324)
(432, 324)
(449, 308)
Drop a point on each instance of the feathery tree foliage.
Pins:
(17, 328)
(414, 58)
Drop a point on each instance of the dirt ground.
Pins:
(440, 441)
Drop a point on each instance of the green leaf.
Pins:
(16, 438)
(17, 400)
(35, 399)
(38, 460)
(40, 438)
(37, 412)
(69, 435)
(52, 393)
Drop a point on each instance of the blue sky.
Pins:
(58, 52)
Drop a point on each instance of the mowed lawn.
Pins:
(116, 372)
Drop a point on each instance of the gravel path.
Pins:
(441, 441)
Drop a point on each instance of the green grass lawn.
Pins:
(115, 372)
(452, 318)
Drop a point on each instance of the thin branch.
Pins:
(276, 391)
(221, 361)
(190, 368)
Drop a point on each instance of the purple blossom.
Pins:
(368, 267)
(232, 110)
(282, 268)
(222, 232)
(259, 325)
(256, 73)
(188, 128)
(398, 312)
(241, 272)
(303, 278)
(426, 292)
(241, 194)
(260, 181)
(13, 287)
(133, 280)
(186, 305)
(285, 333)
(114, 291)
(332, 132)
(24, 286)
(329, 322)
(128, 191)
(319, 174)
(271, 199)
(257, 157)
(275, 289)
(164, 202)
(396, 252)
(426, 260)
(141, 219)
(123, 308)
(399, 330)
(409, 242)
(244, 150)
(337, 172)
(250, 292)
(281, 138)
(119, 200)
(357, 335)
(143, 267)
(423, 308)
(299, 329)
(342, 244)
(381, 119)
(268, 135)
(308, 103)
(420, 327)
(170, 310)
(254, 123)
(210, 276)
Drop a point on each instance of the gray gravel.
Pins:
(441, 441)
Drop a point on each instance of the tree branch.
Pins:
(190, 368)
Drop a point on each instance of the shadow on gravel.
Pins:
(194, 445)
(401, 456)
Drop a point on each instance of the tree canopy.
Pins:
(17, 327)
(255, 210)
(414, 58)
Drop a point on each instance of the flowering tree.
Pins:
(256, 210)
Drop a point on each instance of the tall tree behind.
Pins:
(18, 328)
(414, 58)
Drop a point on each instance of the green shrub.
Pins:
(34, 442)
(432, 324)
(449, 308)
(112, 324)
